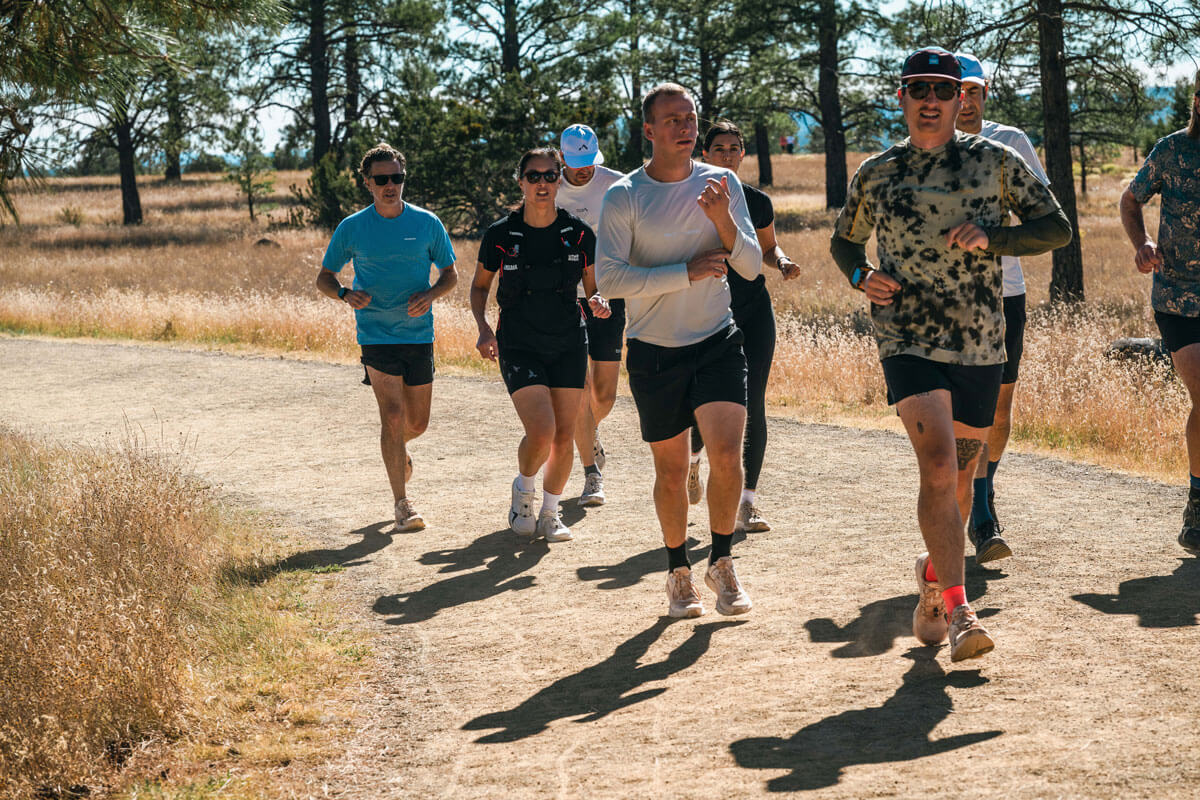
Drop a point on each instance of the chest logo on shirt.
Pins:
(573, 257)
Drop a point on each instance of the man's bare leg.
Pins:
(721, 426)
(403, 416)
(670, 496)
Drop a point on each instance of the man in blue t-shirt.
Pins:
(393, 245)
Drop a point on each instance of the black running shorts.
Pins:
(669, 383)
(412, 362)
(973, 389)
(562, 370)
(1177, 332)
(1014, 336)
(605, 335)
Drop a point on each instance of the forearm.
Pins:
(745, 256)
(1030, 238)
(479, 298)
(1133, 221)
(328, 284)
(447, 280)
(848, 255)
(617, 278)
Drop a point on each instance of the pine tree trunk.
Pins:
(831, 106)
(318, 63)
(510, 49)
(131, 203)
(350, 110)
(635, 88)
(762, 143)
(173, 131)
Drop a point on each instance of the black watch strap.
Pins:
(342, 292)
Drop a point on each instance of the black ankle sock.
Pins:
(591, 469)
(721, 545)
(677, 557)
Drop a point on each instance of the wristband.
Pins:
(342, 292)
(859, 276)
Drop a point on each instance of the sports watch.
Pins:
(342, 292)
(858, 276)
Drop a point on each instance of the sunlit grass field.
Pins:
(198, 271)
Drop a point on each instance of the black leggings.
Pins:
(758, 328)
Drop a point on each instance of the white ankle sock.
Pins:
(748, 496)
(525, 482)
(550, 501)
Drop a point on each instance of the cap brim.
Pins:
(586, 160)
(941, 75)
(975, 80)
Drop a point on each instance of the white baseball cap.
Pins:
(972, 69)
(580, 147)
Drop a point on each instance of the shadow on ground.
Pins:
(631, 571)
(1158, 601)
(502, 554)
(352, 555)
(816, 755)
(598, 690)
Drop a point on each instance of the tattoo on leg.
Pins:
(967, 450)
(920, 427)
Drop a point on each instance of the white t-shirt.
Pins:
(1014, 279)
(584, 201)
(648, 232)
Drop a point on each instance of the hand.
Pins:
(968, 236)
(357, 300)
(1148, 259)
(419, 303)
(486, 344)
(709, 264)
(599, 306)
(790, 269)
(880, 287)
(714, 200)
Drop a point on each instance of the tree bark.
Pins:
(635, 88)
(708, 76)
(1066, 276)
(762, 143)
(1083, 168)
(173, 131)
(831, 105)
(510, 50)
(131, 203)
(318, 63)
(350, 111)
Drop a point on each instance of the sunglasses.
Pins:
(919, 90)
(549, 176)
(395, 177)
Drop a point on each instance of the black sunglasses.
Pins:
(394, 177)
(533, 176)
(919, 90)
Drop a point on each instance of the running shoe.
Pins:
(407, 518)
(750, 520)
(598, 455)
(1189, 537)
(683, 600)
(722, 579)
(968, 639)
(929, 617)
(550, 526)
(593, 490)
(989, 545)
(521, 517)
(695, 488)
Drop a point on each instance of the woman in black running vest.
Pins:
(541, 254)
(752, 312)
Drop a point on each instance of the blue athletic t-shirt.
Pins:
(391, 262)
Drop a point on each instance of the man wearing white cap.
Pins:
(984, 527)
(581, 194)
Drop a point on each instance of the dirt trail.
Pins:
(528, 670)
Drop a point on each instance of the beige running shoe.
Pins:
(550, 526)
(750, 520)
(722, 579)
(694, 486)
(520, 514)
(682, 596)
(929, 617)
(407, 518)
(968, 639)
(593, 490)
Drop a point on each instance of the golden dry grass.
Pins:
(194, 273)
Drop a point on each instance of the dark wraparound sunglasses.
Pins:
(533, 176)
(919, 90)
(395, 177)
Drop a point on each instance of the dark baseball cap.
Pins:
(932, 62)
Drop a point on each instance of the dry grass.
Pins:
(194, 273)
(141, 629)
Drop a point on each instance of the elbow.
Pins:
(1064, 232)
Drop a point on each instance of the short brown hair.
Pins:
(720, 128)
(1193, 128)
(381, 152)
(538, 152)
(663, 89)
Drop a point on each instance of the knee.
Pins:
(939, 472)
(671, 481)
(417, 426)
(393, 421)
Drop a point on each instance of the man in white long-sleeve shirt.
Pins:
(668, 232)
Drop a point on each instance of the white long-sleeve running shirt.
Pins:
(648, 232)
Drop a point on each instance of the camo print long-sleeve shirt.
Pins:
(1173, 170)
(949, 307)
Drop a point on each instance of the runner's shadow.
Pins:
(631, 571)
(1159, 601)
(598, 690)
(898, 730)
(352, 555)
(503, 564)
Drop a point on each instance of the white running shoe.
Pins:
(695, 488)
(407, 518)
(593, 490)
(598, 454)
(722, 579)
(550, 526)
(750, 519)
(520, 516)
(683, 599)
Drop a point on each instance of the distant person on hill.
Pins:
(393, 244)
(669, 233)
(753, 314)
(938, 203)
(984, 527)
(541, 254)
(1172, 170)
(581, 191)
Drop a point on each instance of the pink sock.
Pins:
(954, 597)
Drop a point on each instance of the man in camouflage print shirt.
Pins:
(938, 203)
(1172, 170)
